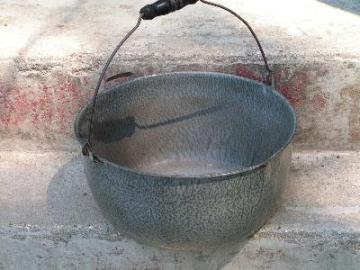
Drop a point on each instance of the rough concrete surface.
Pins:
(51, 53)
(49, 220)
(50, 58)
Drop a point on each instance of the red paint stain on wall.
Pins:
(42, 111)
(319, 101)
(293, 87)
(355, 136)
(14, 110)
(248, 74)
(52, 107)
(67, 102)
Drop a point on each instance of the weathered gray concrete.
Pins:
(89, 248)
(50, 57)
(49, 220)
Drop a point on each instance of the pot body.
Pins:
(191, 214)
(188, 160)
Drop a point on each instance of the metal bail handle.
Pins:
(163, 7)
(149, 12)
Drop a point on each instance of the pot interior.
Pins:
(189, 124)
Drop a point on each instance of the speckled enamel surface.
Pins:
(190, 160)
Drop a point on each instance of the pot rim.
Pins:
(233, 173)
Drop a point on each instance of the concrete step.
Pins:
(49, 220)
(50, 58)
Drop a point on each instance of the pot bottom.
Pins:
(187, 167)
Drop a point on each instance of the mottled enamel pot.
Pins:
(188, 160)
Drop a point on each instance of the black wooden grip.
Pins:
(163, 7)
